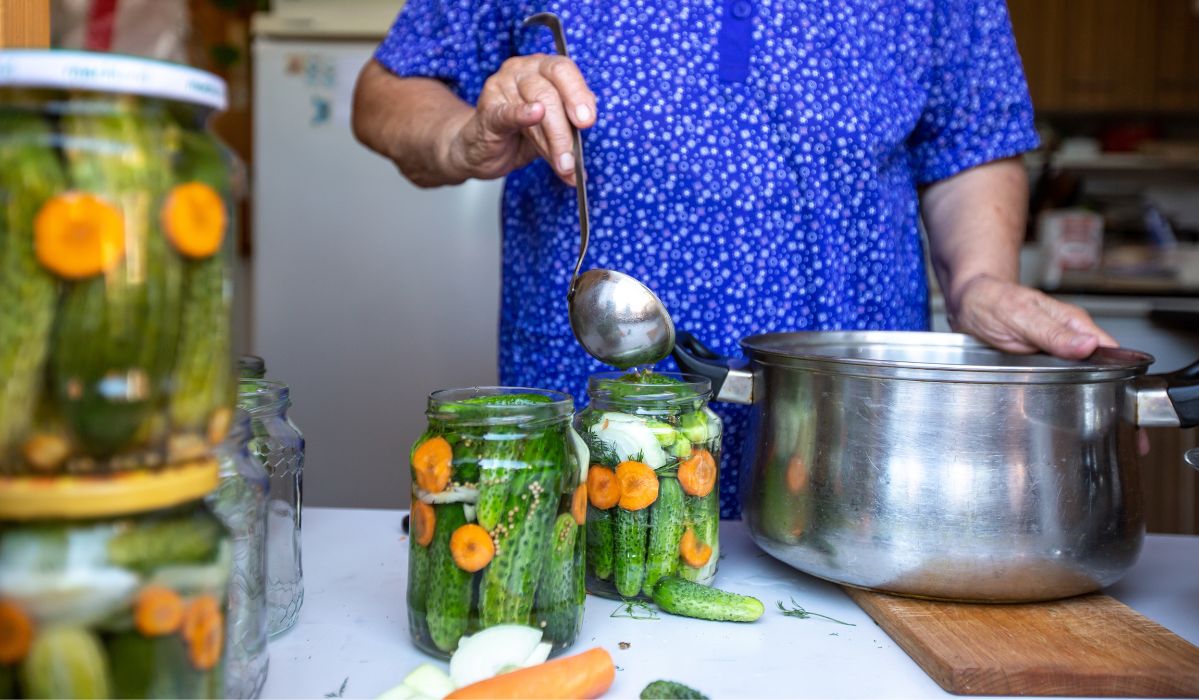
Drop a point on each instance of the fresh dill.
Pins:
(341, 692)
(635, 609)
(801, 613)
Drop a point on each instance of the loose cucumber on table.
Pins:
(682, 597)
(448, 591)
(629, 532)
(666, 523)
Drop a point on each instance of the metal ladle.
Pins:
(616, 318)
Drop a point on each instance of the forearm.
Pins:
(975, 222)
(412, 122)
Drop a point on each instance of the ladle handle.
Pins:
(551, 20)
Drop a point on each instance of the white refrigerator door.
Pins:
(368, 293)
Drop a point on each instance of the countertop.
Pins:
(353, 626)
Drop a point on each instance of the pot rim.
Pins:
(950, 357)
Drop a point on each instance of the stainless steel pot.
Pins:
(929, 464)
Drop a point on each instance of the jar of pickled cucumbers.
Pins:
(112, 587)
(240, 502)
(115, 284)
(278, 445)
(653, 484)
(496, 527)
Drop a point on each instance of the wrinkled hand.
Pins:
(1019, 319)
(525, 111)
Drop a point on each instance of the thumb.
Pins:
(1055, 334)
(510, 118)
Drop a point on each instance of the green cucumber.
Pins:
(448, 597)
(703, 517)
(679, 596)
(185, 540)
(418, 587)
(666, 522)
(65, 662)
(630, 535)
(670, 690)
(600, 542)
(30, 173)
(144, 667)
(694, 426)
(493, 496)
(557, 607)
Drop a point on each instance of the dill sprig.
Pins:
(801, 613)
(635, 609)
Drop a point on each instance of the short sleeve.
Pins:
(978, 108)
(460, 42)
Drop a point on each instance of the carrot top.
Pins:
(471, 547)
(431, 463)
(603, 489)
(697, 473)
(638, 485)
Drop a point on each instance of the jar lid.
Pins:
(105, 72)
(92, 496)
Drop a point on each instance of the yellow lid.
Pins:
(92, 496)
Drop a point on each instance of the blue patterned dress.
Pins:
(754, 162)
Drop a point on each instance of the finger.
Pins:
(577, 99)
(1046, 324)
(507, 118)
(1083, 323)
(537, 136)
(554, 125)
(1142, 442)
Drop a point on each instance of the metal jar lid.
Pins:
(114, 73)
(935, 357)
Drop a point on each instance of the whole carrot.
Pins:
(579, 677)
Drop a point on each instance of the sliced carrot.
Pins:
(578, 504)
(204, 631)
(578, 677)
(693, 552)
(16, 633)
(158, 611)
(422, 521)
(432, 464)
(697, 473)
(471, 547)
(195, 219)
(77, 235)
(638, 485)
(797, 473)
(602, 487)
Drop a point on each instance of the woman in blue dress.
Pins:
(763, 165)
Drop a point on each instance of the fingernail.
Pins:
(583, 113)
(529, 109)
(1081, 341)
(566, 162)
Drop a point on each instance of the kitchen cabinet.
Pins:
(1176, 73)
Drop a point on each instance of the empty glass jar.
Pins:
(278, 445)
(240, 503)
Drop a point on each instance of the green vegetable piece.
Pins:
(157, 667)
(664, 432)
(418, 588)
(65, 662)
(694, 426)
(557, 604)
(178, 541)
(678, 596)
(681, 448)
(670, 690)
(667, 515)
(703, 516)
(630, 535)
(601, 543)
(448, 593)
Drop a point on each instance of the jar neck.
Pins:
(653, 395)
(263, 398)
(493, 407)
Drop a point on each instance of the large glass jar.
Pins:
(240, 503)
(278, 445)
(112, 587)
(497, 512)
(115, 287)
(654, 482)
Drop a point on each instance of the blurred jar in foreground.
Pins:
(278, 445)
(115, 249)
(240, 503)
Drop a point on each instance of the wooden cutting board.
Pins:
(1091, 645)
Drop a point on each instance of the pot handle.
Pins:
(731, 382)
(1169, 400)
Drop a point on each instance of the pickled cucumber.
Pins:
(65, 662)
(157, 544)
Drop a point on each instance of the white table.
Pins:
(353, 624)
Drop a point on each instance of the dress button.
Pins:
(742, 9)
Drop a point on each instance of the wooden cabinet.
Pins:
(1112, 56)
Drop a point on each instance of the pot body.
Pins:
(996, 489)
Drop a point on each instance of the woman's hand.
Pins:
(525, 111)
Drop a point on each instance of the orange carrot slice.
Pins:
(195, 219)
(579, 677)
(157, 611)
(638, 485)
(602, 487)
(77, 235)
(797, 473)
(578, 504)
(697, 474)
(693, 552)
(422, 521)
(431, 463)
(204, 631)
(471, 547)
(16, 633)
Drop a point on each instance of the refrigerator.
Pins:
(366, 292)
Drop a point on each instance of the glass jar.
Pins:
(495, 527)
(251, 367)
(112, 587)
(240, 503)
(278, 445)
(115, 277)
(653, 486)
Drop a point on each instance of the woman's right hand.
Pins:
(524, 112)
